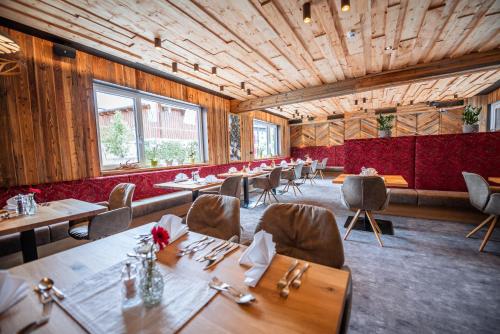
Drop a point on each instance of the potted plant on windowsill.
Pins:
(385, 125)
(151, 153)
(471, 119)
(192, 151)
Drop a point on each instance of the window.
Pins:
(494, 117)
(265, 139)
(151, 130)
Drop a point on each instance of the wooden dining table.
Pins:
(391, 181)
(246, 176)
(494, 179)
(190, 185)
(47, 214)
(316, 307)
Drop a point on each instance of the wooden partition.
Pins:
(48, 119)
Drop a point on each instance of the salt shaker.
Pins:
(130, 280)
(20, 204)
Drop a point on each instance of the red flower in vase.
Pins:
(34, 191)
(160, 236)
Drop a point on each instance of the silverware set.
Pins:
(238, 296)
(292, 277)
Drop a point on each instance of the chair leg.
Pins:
(272, 193)
(488, 234)
(375, 228)
(484, 222)
(321, 174)
(257, 203)
(298, 188)
(293, 187)
(351, 224)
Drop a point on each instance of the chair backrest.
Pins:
(275, 177)
(324, 162)
(304, 231)
(364, 192)
(298, 170)
(215, 215)
(314, 164)
(478, 188)
(121, 196)
(110, 222)
(231, 186)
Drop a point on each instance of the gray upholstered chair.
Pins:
(321, 167)
(309, 233)
(115, 220)
(215, 215)
(267, 184)
(229, 187)
(482, 198)
(292, 176)
(365, 193)
(309, 172)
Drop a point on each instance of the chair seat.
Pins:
(261, 183)
(79, 232)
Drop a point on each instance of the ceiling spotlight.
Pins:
(249, 92)
(455, 96)
(364, 99)
(214, 70)
(306, 12)
(355, 102)
(174, 66)
(196, 67)
(242, 85)
(157, 43)
(411, 101)
(345, 5)
(388, 48)
(221, 88)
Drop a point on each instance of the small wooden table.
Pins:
(189, 184)
(54, 212)
(494, 179)
(363, 224)
(391, 181)
(316, 307)
(245, 176)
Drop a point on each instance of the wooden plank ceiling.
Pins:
(265, 43)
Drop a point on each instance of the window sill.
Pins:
(147, 169)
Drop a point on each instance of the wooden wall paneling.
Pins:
(337, 132)
(428, 123)
(352, 128)
(450, 122)
(368, 128)
(296, 139)
(247, 137)
(322, 133)
(309, 134)
(406, 125)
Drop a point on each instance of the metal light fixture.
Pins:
(221, 88)
(242, 85)
(157, 43)
(174, 66)
(249, 92)
(214, 70)
(306, 12)
(345, 5)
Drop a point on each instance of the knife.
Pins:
(222, 256)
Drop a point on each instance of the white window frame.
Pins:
(493, 116)
(137, 95)
(268, 126)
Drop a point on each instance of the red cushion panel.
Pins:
(145, 181)
(339, 156)
(392, 156)
(315, 152)
(441, 159)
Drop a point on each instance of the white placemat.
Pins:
(95, 304)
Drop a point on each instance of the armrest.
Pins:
(493, 205)
(110, 222)
(103, 203)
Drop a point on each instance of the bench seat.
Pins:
(150, 205)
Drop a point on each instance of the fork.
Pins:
(221, 245)
(47, 308)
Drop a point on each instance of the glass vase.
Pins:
(151, 285)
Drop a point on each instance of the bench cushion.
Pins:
(148, 205)
(404, 196)
(449, 199)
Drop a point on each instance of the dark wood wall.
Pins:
(48, 125)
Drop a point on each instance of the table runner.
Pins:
(95, 303)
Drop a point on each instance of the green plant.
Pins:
(151, 151)
(116, 136)
(471, 115)
(385, 122)
(172, 150)
(192, 150)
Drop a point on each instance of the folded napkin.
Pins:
(174, 226)
(284, 164)
(232, 170)
(211, 178)
(181, 177)
(12, 290)
(368, 171)
(263, 165)
(259, 256)
(11, 204)
(299, 161)
(256, 170)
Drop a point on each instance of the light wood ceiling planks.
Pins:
(266, 44)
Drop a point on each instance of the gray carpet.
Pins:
(426, 279)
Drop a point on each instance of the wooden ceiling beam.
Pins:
(423, 72)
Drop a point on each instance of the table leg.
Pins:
(246, 196)
(195, 194)
(28, 246)
(363, 224)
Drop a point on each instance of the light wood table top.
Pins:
(188, 185)
(494, 179)
(55, 212)
(316, 307)
(391, 181)
(243, 174)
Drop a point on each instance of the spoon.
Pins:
(286, 290)
(46, 284)
(283, 280)
(297, 282)
(238, 296)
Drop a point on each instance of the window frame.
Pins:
(267, 125)
(137, 96)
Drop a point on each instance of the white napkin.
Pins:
(299, 161)
(232, 170)
(368, 171)
(12, 290)
(181, 177)
(284, 164)
(11, 204)
(256, 170)
(263, 165)
(211, 178)
(259, 256)
(174, 226)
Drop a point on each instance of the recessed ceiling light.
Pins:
(351, 34)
